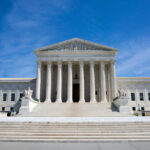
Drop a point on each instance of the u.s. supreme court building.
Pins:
(75, 77)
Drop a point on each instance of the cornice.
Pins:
(16, 79)
(133, 79)
(78, 52)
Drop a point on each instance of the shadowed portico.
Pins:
(76, 93)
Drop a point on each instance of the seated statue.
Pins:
(28, 93)
(122, 93)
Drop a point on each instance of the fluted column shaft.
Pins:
(69, 90)
(38, 81)
(59, 83)
(92, 82)
(103, 82)
(113, 79)
(82, 100)
(48, 83)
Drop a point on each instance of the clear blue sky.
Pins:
(26, 25)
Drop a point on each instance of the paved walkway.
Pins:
(75, 146)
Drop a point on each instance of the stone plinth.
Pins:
(122, 105)
(27, 105)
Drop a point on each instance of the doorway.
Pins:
(75, 93)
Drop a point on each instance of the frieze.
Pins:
(75, 58)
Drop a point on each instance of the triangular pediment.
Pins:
(76, 44)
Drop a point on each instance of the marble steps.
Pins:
(73, 138)
(30, 123)
(101, 127)
(77, 127)
(95, 125)
(58, 124)
(73, 134)
(74, 131)
(73, 128)
(74, 125)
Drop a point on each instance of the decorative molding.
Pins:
(133, 79)
(16, 79)
(79, 52)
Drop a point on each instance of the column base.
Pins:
(58, 101)
(47, 101)
(104, 101)
(82, 101)
(93, 101)
(69, 101)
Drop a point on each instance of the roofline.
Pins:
(16, 79)
(133, 79)
(63, 42)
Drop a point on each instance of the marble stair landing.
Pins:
(73, 110)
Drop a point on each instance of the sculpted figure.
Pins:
(28, 93)
(122, 93)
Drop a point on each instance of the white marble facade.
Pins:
(77, 71)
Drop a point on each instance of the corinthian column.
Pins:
(38, 81)
(82, 82)
(113, 79)
(59, 83)
(69, 90)
(48, 83)
(92, 83)
(103, 82)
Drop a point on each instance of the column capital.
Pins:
(113, 62)
(81, 62)
(39, 62)
(59, 63)
(92, 62)
(69, 62)
(49, 62)
(102, 62)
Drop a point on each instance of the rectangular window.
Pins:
(141, 97)
(21, 95)
(4, 97)
(149, 96)
(13, 97)
(133, 96)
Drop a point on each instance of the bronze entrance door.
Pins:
(75, 93)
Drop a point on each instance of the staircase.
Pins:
(59, 131)
(73, 110)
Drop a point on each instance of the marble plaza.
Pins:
(75, 78)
